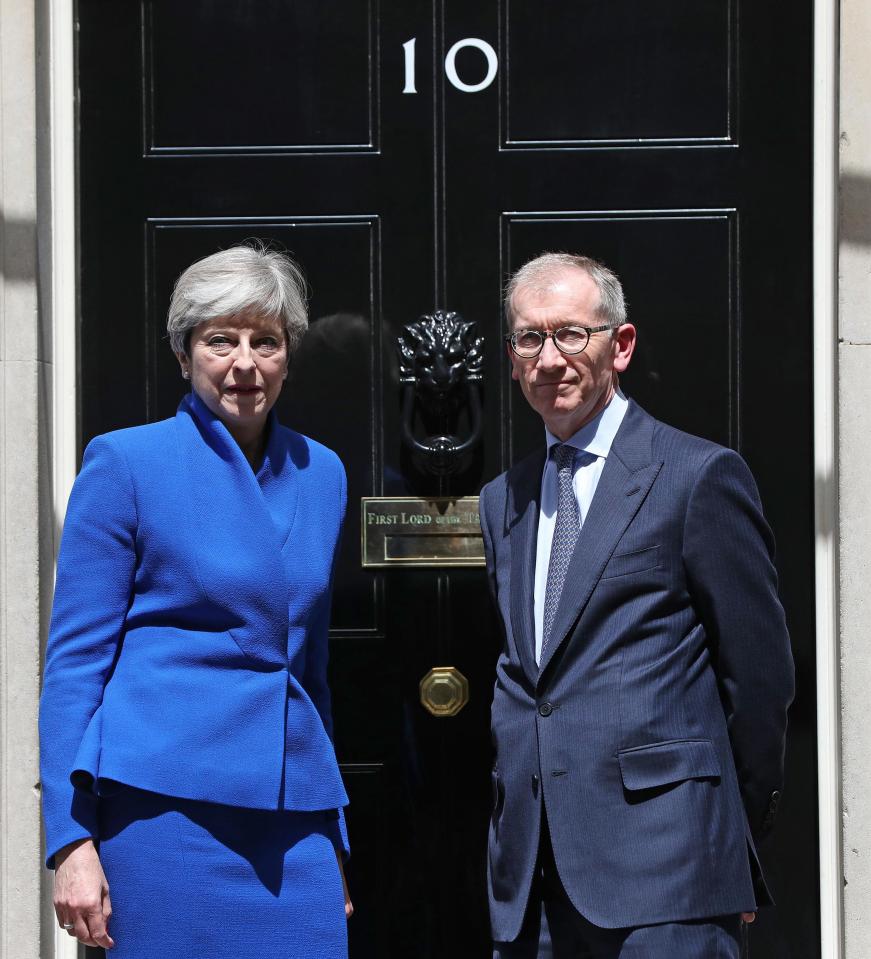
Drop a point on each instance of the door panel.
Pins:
(618, 71)
(644, 246)
(275, 77)
(336, 409)
(671, 140)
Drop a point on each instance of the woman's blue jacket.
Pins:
(188, 646)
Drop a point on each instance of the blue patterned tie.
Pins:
(565, 536)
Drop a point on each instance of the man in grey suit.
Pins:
(639, 710)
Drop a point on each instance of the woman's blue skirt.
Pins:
(196, 880)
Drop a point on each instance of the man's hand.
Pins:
(349, 908)
(81, 894)
(748, 917)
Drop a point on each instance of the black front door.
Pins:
(410, 155)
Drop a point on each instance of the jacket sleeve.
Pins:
(95, 575)
(317, 658)
(729, 559)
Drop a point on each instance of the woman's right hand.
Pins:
(81, 894)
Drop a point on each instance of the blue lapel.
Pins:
(278, 477)
(523, 505)
(235, 540)
(625, 482)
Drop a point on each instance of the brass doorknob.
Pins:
(444, 691)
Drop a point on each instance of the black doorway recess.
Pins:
(409, 154)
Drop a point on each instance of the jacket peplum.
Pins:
(187, 652)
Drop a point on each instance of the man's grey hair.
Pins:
(542, 273)
(249, 278)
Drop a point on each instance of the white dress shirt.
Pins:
(594, 438)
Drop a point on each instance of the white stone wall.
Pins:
(21, 545)
(855, 468)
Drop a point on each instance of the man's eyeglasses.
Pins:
(567, 339)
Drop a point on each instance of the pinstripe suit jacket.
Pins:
(653, 731)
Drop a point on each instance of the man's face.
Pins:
(568, 390)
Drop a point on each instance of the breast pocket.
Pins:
(638, 561)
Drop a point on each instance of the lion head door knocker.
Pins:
(440, 364)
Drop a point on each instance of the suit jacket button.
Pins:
(545, 709)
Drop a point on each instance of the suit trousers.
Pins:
(554, 929)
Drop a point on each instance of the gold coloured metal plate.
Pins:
(444, 691)
(407, 531)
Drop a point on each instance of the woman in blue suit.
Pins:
(187, 756)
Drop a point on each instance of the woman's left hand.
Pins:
(349, 908)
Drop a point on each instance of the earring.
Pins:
(186, 374)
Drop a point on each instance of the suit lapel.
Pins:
(623, 486)
(279, 479)
(523, 504)
(236, 544)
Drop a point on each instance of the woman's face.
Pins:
(237, 366)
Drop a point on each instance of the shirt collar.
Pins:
(596, 436)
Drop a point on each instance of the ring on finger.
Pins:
(69, 925)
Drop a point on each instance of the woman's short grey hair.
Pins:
(243, 279)
(545, 270)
